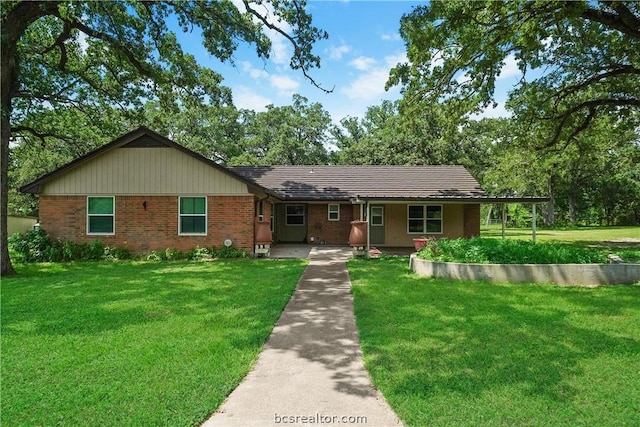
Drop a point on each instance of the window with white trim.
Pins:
(333, 212)
(294, 214)
(423, 219)
(377, 216)
(260, 210)
(192, 216)
(101, 215)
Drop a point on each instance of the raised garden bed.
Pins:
(564, 274)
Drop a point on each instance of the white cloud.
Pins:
(255, 73)
(510, 68)
(491, 112)
(280, 47)
(370, 84)
(362, 63)
(390, 37)
(393, 60)
(336, 53)
(244, 97)
(286, 85)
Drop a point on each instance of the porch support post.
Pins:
(368, 228)
(533, 223)
(504, 219)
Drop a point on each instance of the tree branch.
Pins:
(615, 21)
(297, 54)
(591, 105)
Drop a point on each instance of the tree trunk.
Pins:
(13, 26)
(7, 70)
(572, 208)
(488, 220)
(549, 215)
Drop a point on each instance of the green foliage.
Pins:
(67, 66)
(499, 354)
(289, 135)
(589, 53)
(134, 343)
(38, 246)
(507, 251)
(32, 246)
(203, 253)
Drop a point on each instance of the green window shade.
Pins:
(192, 205)
(193, 224)
(101, 224)
(100, 205)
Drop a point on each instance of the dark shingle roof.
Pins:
(379, 182)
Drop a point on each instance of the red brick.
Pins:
(153, 228)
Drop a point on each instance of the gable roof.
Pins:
(140, 137)
(366, 182)
(319, 183)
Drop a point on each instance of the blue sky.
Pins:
(363, 45)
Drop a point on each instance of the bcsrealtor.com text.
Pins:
(319, 419)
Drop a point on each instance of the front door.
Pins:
(376, 228)
(291, 223)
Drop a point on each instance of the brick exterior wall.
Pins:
(153, 228)
(331, 232)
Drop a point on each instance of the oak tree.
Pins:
(89, 56)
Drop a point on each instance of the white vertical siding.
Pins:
(145, 171)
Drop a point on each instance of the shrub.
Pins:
(32, 246)
(496, 251)
(37, 246)
(230, 252)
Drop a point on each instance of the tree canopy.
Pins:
(93, 56)
(580, 60)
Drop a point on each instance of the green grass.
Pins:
(134, 343)
(473, 353)
(623, 241)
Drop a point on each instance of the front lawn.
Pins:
(475, 353)
(134, 343)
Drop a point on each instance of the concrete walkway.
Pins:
(310, 371)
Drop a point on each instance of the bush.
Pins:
(496, 251)
(37, 246)
(32, 246)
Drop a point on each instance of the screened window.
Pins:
(424, 218)
(100, 215)
(295, 214)
(193, 215)
(334, 213)
(377, 216)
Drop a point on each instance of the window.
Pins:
(295, 214)
(424, 219)
(100, 215)
(192, 217)
(334, 212)
(377, 216)
(260, 210)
